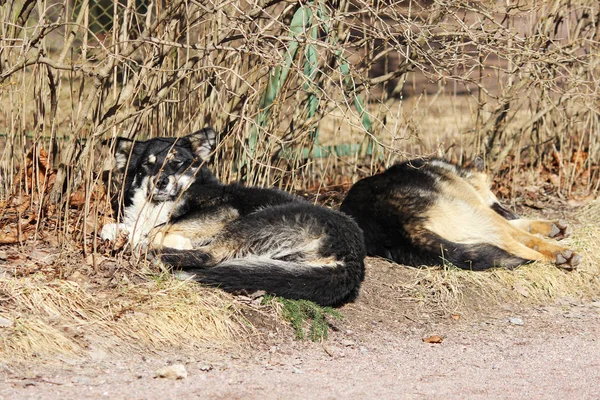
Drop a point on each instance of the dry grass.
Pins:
(61, 317)
(527, 71)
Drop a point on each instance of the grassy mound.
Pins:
(46, 317)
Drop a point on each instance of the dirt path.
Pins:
(555, 353)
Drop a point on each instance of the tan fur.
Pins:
(327, 261)
(184, 235)
(171, 240)
(195, 231)
(536, 227)
(462, 215)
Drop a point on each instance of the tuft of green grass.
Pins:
(300, 313)
(297, 312)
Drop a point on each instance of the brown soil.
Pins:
(377, 351)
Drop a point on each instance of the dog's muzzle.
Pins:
(165, 188)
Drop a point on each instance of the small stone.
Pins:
(3, 256)
(348, 342)
(81, 380)
(175, 371)
(522, 290)
(363, 349)
(515, 321)
(297, 371)
(6, 323)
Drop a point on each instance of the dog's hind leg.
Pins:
(193, 230)
(201, 257)
(428, 248)
(561, 256)
(552, 229)
(462, 222)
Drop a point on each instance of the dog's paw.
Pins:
(111, 232)
(560, 230)
(170, 240)
(567, 259)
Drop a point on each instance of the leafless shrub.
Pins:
(304, 95)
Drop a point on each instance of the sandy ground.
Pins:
(555, 353)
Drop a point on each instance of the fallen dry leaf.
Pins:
(22, 205)
(15, 234)
(37, 171)
(96, 195)
(433, 339)
(579, 158)
(455, 317)
(9, 237)
(77, 199)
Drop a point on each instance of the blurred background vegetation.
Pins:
(307, 96)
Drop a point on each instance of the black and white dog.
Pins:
(234, 237)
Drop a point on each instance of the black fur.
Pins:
(391, 209)
(506, 213)
(265, 214)
(275, 242)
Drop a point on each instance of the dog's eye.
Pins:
(176, 163)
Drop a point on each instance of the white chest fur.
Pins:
(140, 218)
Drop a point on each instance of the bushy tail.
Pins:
(327, 285)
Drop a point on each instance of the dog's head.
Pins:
(165, 167)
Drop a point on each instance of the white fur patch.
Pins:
(111, 231)
(142, 216)
(121, 160)
(182, 275)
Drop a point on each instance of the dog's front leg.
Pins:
(160, 237)
(111, 232)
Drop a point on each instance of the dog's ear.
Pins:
(203, 142)
(123, 147)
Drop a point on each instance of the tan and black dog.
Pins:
(425, 212)
(234, 237)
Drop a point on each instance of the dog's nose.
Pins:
(162, 182)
